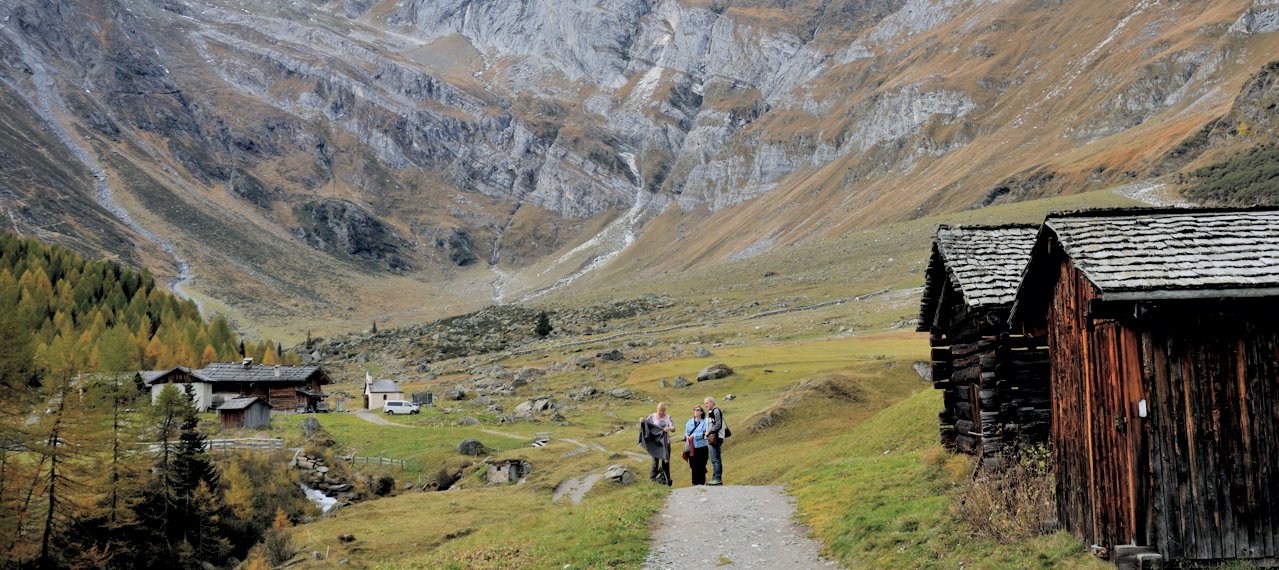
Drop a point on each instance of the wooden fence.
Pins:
(228, 445)
(380, 461)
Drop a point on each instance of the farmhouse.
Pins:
(377, 392)
(995, 384)
(1165, 381)
(201, 391)
(287, 388)
(251, 412)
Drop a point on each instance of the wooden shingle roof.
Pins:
(984, 262)
(237, 372)
(241, 403)
(1138, 254)
(150, 376)
(1173, 254)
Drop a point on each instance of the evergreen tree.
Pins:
(543, 327)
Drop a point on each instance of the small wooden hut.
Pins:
(1165, 378)
(250, 413)
(995, 384)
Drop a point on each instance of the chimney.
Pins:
(277, 370)
(248, 362)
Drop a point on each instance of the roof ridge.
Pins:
(1010, 225)
(1154, 211)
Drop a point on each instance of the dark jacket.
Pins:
(654, 440)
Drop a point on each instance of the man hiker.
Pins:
(715, 434)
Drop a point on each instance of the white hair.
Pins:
(709, 399)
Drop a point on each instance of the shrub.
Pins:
(1012, 503)
(384, 485)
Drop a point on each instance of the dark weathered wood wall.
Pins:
(994, 384)
(1198, 477)
(1213, 387)
(1093, 386)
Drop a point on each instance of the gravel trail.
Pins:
(749, 527)
(379, 420)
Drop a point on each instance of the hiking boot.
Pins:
(714, 482)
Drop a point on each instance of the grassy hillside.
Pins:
(851, 432)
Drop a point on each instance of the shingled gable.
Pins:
(178, 374)
(984, 262)
(1144, 254)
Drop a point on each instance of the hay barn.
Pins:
(995, 384)
(1164, 354)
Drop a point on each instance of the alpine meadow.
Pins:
(639, 284)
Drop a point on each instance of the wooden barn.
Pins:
(252, 412)
(1165, 378)
(995, 384)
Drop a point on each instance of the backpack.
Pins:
(723, 424)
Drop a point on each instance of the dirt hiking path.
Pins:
(748, 527)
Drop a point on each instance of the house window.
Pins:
(383, 397)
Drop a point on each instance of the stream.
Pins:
(325, 502)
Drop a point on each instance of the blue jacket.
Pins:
(697, 430)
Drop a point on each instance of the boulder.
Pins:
(526, 375)
(681, 382)
(531, 407)
(468, 421)
(346, 537)
(619, 474)
(664, 383)
(455, 394)
(620, 393)
(730, 397)
(924, 370)
(714, 372)
(558, 417)
(614, 355)
(701, 352)
(471, 447)
(310, 426)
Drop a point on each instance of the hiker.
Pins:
(655, 437)
(695, 441)
(715, 434)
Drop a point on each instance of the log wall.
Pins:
(994, 384)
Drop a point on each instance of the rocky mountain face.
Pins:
(284, 158)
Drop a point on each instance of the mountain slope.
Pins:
(429, 156)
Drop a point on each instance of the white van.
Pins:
(399, 407)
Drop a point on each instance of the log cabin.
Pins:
(994, 384)
(1164, 357)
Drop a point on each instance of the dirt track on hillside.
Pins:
(747, 527)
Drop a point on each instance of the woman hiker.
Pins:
(654, 435)
(695, 436)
